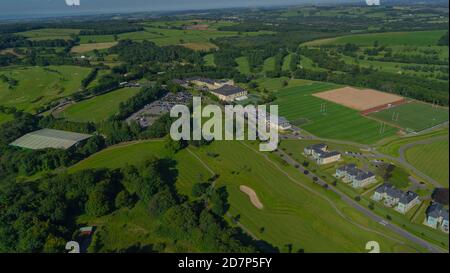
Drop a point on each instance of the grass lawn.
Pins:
(414, 116)
(190, 170)
(200, 46)
(418, 38)
(275, 84)
(98, 108)
(287, 63)
(209, 60)
(432, 159)
(392, 145)
(89, 47)
(269, 64)
(338, 122)
(40, 85)
(243, 66)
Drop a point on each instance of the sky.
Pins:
(25, 8)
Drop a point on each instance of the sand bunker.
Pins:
(252, 195)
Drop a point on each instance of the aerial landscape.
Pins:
(87, 154)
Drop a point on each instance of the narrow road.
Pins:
(402, 159)
(365, 211)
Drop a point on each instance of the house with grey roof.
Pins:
(356, 177)
(437, 217)
(393, 197)
(407, 201)
(321, 154)
(229, 92)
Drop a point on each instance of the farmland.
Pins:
(50, 33)
(418, 38)
(90, 47)
(164, 37)
(37, 86)
(432, 159)
(100, 107)
(335, 121)
(413, 116)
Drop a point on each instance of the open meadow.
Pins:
(98, 108)
(37, 86)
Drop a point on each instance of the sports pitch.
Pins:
(414, 116)
(326, 119)
(358, 99)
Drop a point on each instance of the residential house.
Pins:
(407, 201)
(437, 217)
(320, 153)
(354, 176)
(393, 197)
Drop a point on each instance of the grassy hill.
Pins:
(37, 86)
(98, 108)
(292, 213)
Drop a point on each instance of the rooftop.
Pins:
(437, 210)
(49, 138)
(228, 90)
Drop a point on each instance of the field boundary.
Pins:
(384, 107)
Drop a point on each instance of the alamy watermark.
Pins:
(260, 124)
(73, 2)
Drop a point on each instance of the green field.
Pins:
(167, 36)
(98, 108)
(275, 84)
(190, 170)
(49, 33)
(4, 118)
(414, 116)
(40, 85)
(295, 211)
(269, 64)
(287, 63)
(337, 122)
(209, 60)
(432, 159)
(292, 214)
(418, 38)
(243, 65)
